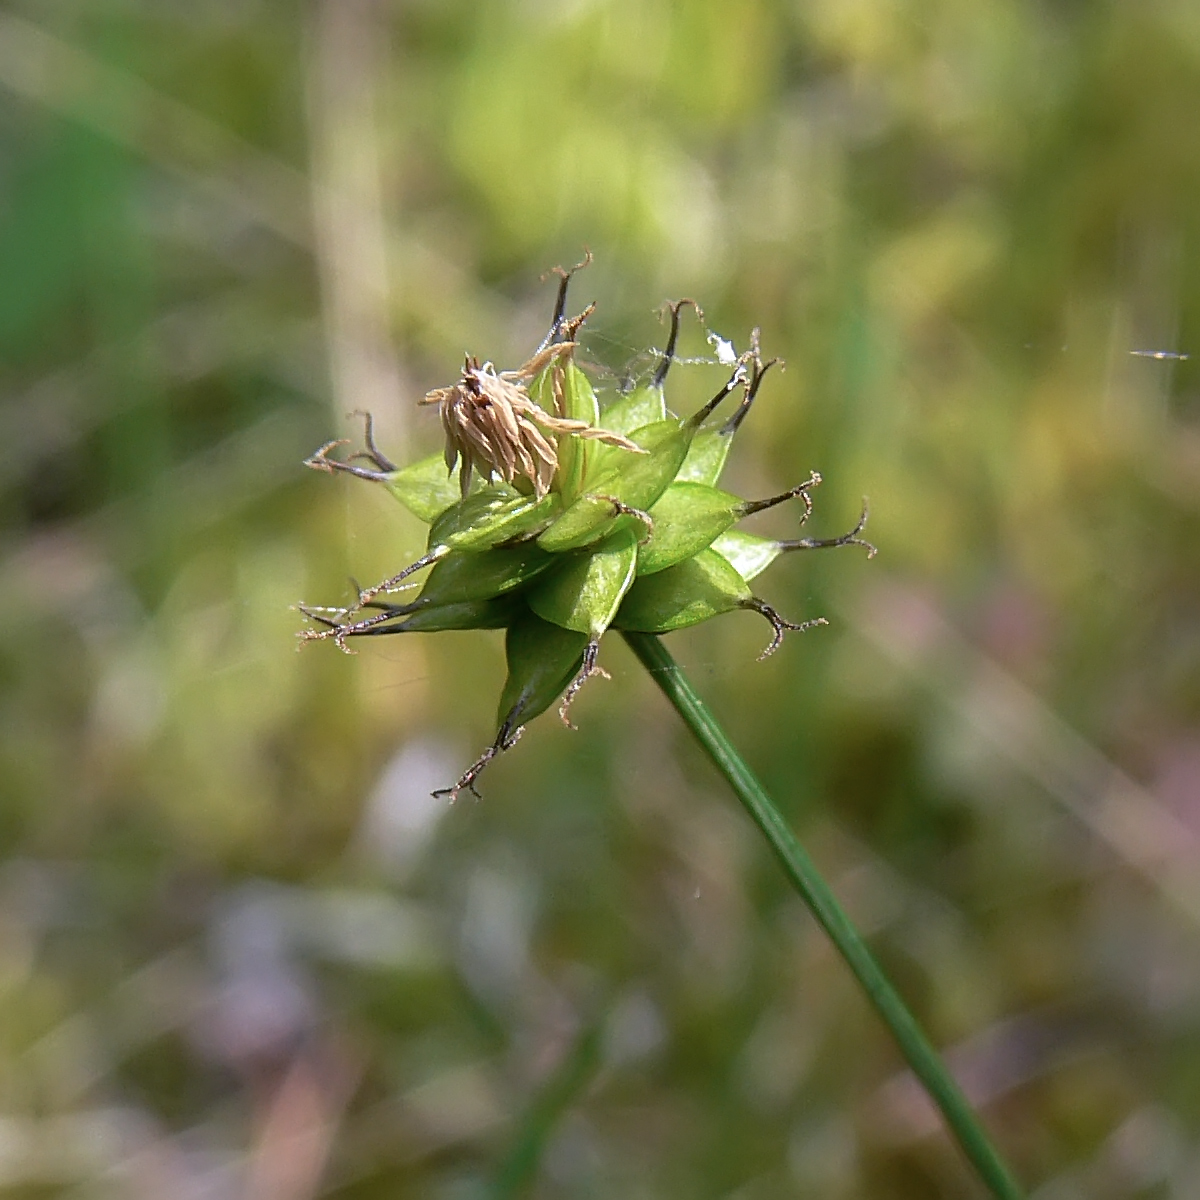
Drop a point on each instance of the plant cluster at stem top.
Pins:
(565, 522)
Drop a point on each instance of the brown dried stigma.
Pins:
(494, 427)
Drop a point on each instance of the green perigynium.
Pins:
(566, 520)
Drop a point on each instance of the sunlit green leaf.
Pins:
(494, 515)
(641, 407)
(747, 553)
(542, 658)
(706, 457)
(682, 595)
(575, 453)
(493, 613)
(478, 575)
(584, 592)
(636, 480)
(426, 488)
(687, 517)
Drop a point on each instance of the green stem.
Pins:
(801, 870)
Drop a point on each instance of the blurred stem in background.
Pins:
(347, 65)
(815, 892)
(561, 1090)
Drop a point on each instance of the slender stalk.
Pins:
(800, 869)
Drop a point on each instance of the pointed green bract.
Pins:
(748, 554)
(542, 658)
(575, 454)
(466, 513)
(480, 575)
(541, 389)
(641, 407)
(686, 594)
(426, 488)
(583, 594)
(493, 613)
(637, 481)
(687, 517)
(492, 516)
(586, 521)
(706, 457)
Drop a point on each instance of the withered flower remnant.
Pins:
(495, 428)
(566, 523)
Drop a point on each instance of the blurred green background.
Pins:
(244, 954)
